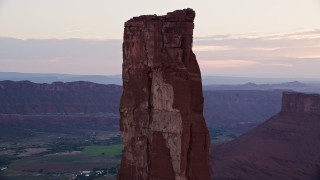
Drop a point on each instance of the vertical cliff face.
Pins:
(300, 103)
(162, 124)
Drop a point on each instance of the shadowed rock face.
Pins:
(161, 109)
(301, 103)
(285, 147)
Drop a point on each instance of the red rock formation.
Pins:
(162, 124)
(302, 103)
(285, 147)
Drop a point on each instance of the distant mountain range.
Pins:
(52, 77)
(117, 79)
(287, 86)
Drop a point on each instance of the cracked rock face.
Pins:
(162, 123)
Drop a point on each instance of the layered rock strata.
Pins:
(162, 124)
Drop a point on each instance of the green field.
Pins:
(106, 150)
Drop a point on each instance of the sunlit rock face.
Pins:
(162, 124)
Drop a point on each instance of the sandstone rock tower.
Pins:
(162, 123)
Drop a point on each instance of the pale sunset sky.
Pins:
(241, 38)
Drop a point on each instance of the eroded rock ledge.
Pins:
(162, 123)
(300, 103)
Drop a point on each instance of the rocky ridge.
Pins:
(26, 98)
(287, 146)
(162, 124)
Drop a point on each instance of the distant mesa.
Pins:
(301, 103)
(287, 146)
(57, 107)
(164, 132)
(26, 98)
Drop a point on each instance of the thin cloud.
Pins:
(266, 48)
(260, 47)
(210, 48)
(288, 54)
(245, 40)
(57, 60)
(310, 58)
(278, 64)
(77, 30)
(226, 64)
